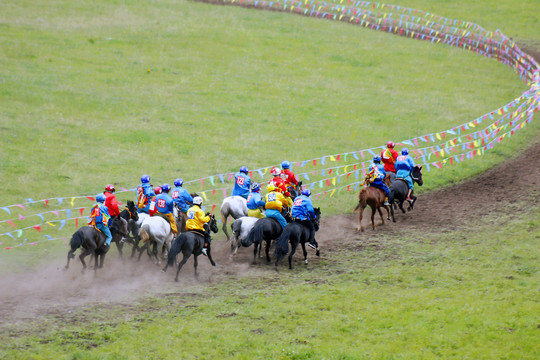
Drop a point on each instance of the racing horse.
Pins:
(373, 197)
(91, 242)
(190, 243)
(235, 206)
(296, 233)
(266, 229)
(156, 231)
(240, 230)
(399, 190)
(130, 216)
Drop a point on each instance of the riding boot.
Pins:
(386, 203)
(207, 240)
(409, 195)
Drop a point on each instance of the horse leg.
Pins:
(69, 256)
(294, 246)
(255, 247)
(380, 214)
(401, 205)
(224, 227)
(141, 251)
(360, 228)
(305, 252)
(195, 264)
(267, 250)
(209, 254)
(184, 260)
(373, 210)
(411, 205)
(119, 246)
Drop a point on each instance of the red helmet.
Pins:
(110, 188)
(390, 145)
(275, 171)
(158, 190)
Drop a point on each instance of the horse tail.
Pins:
(76, 241)
(362, 200)
(224, 211)
(143, 235)
(282, 243)
(176, 247)
(255, 234)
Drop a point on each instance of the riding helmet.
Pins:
(285, 164)
(166, 188)
(306, 192)
(197, 200)
(275, 171)
(390, 145)
(244, 169)
(405, 151)
(377, 159)
(100, 198)
(110, 188)
(158, 190)
(255, 186)
(145, 179)
(178, 182)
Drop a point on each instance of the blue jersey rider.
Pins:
(255, 202)
(99, 218)
(144, 194)
(302, 212)
(404, 166)
(275, 201)
(378, 175)
(165, 206)
(181, 196)
(242, 183)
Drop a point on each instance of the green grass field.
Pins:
(101, 92)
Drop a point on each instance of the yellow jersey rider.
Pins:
(196, 218)
(274, 203)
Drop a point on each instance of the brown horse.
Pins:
(373, 197)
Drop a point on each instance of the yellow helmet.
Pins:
(271, 187)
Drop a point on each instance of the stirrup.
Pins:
(204, 251)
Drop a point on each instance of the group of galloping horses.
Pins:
(159, 242)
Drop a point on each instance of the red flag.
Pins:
(91, 198)
(213, 207)
(10, 223)
(81, 210)
(327, 183)
(46, 202)
(338, 158)
(37, 227)
(76, 223)
(314, 162)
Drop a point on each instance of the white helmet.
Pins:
(275, 171)
(197, 200)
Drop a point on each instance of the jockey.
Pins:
(275, 201)
(165, 206)
(99, 218)
(110, 201)
(404, 167)
(242, 183)
(389, 156)
(196, 220)
(255, 202)
(378, 174)
(288, 175)
(278, 182)
(302, 212)
(144, 193)
(181, 196)
(152, 203)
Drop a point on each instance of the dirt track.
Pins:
(51, 291)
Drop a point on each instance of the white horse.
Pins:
(235, 206)
(240, 229)
(156, 231)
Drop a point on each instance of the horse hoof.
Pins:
(318, 253)
(305, 262)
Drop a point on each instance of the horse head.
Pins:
(133, 214)
(213, 224)
(416, 175)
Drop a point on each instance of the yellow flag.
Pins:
(332, 193)
(204, 196)
(50, 223)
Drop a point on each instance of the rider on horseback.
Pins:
(302, 212)
(164, 205)
(288, 175)
(144, 194)
(255, 202)
(181, 196)
(278, 182)
(404, 166)
(275, 201)
(242, 183)
(196, 220)
(389, 156)
(110, 201)
(99, 218)
(377, 173)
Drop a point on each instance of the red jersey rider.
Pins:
(110, 200)
(278, 182)
(388, 157)
(288, 175)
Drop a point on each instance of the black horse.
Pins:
(190, 243)
(266, 229)
(297, 233)
(130, 215)
(91, 241)
(399, 190)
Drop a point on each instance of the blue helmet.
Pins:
(145, 179)
(244, 169)
(166, 188)
(377, 159)
(285, 164)
(100, 198)
(178, 182)
(405, 151)
(306, 192)
(255, 186)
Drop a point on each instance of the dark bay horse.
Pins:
(190, 243)
(373, 197)
(296, 233)
(91, 241)
(266, 229)
(130, 215)
(399, 190)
